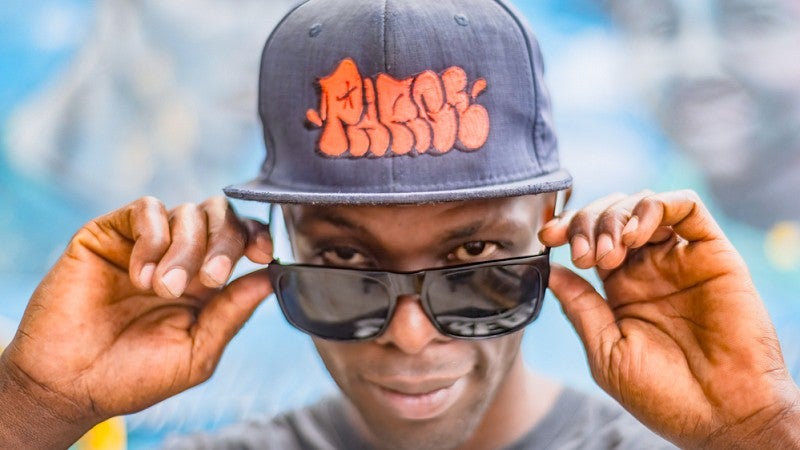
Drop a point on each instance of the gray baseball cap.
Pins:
(403, 101)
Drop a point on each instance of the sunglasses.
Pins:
(469, 301)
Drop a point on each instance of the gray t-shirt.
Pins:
(576, 421)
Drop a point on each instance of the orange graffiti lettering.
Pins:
(388, 116)
(471, 130)
(368, 134)
(429, 95)
(397, 110)
(341, 104)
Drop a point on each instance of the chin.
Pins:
(441, 433)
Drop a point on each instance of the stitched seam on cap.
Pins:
(521, 28)
(519, 176)
(508, 178)
(386, 70)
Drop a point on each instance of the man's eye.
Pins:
(343, 256)
(471, 251)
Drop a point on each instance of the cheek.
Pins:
(341, 360)
(494, 359)
(490, 359)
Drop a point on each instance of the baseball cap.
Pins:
(403, 101)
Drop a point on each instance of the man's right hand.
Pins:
(135, 310)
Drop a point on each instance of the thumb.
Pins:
(587, 310)
(224, 316)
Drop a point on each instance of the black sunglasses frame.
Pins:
(413, 283)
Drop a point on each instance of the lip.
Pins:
(421, 400)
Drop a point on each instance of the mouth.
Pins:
(421, 400)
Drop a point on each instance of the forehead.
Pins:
(410, 237)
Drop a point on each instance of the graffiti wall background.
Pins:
(102, 102)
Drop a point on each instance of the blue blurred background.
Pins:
(102, 102)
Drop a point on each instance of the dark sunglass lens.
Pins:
(333, 304)
(486, 301)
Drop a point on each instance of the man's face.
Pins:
(413, 387)
(722, 76)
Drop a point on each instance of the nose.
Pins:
(409, 329)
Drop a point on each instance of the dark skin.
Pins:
(681, 340)
(490, 399)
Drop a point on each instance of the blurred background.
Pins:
(104, 101)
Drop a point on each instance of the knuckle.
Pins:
(609, 219)
(184, 215)
(217, 201)
(646, 192)
(579, 223)
(235, 241)
(148, 203)
(646, 204)
(185, 208)
(691, 195)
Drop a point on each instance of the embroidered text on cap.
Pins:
(389, 116)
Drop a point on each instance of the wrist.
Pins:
(775, 427)
(30, 418)
(783, 430)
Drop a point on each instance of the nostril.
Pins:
(315, 30)
(409, 329)
(461, 20)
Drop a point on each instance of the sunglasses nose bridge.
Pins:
(407, 284)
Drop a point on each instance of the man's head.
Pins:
(406, 136)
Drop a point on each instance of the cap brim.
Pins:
(262, 191)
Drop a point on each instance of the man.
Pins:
(426, 156)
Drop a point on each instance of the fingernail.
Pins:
(146, 275)
(604, 245)
(580, 247)
(631, 226)
(218, 268)
(175, 281)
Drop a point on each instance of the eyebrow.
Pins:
(337, 220)
(465, 231)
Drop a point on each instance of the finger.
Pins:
(588, 312)
(187, 250)
(610, 250)
(223, 317)
(683, 211)
(554, 232)
(662, 234)
(563, 229)
(226, 238)
(149, 229)
(582, 227)
(259, 242)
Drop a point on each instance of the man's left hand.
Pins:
(681, 339)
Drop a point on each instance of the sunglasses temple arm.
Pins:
(561, 200)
